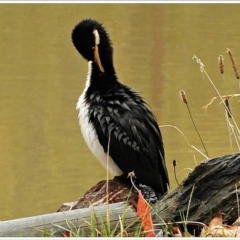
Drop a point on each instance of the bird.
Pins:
(116, 123)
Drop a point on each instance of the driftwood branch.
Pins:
(57, 224)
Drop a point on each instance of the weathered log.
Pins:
(56, 224)
(210, 188)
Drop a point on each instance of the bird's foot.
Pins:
(148, 194)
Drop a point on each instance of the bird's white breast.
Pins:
(89, 133)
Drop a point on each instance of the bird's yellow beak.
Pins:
(97, 58)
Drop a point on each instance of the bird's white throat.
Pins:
(89, 133)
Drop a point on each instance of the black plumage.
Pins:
(123, 123)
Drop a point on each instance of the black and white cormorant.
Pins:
(114, 119)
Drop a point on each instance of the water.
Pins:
(44, 160)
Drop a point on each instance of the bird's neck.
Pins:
(100, 79)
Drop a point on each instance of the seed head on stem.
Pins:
(233, 63)
(184, 99)
(183, 96)
(221, 63)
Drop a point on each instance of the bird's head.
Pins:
(92, 42)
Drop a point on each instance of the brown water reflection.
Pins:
(44, 160)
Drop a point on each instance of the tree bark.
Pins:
(212, 187)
